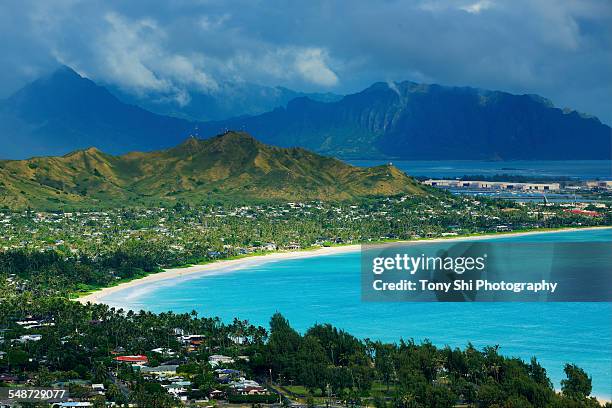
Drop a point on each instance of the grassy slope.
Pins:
(233, 165)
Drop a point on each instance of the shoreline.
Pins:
(253, 260)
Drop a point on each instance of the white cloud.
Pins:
(183, 71)
(438, 6)
(125, 49)
(312, 65)
(208, 23)
(134, 57)
(182, 97)
(289, 63)
(477, 7)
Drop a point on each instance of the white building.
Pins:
(217, 359)
(29, 337)
(493, 185)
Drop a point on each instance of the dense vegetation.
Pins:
(328, 364)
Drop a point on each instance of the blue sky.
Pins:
(559, 49)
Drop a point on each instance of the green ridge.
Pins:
(232, 165)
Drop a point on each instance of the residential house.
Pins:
(160, 370)
(138, 360)
(217, 359)
(246, 387)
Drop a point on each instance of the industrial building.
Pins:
(493, 185)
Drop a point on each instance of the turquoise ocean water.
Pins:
(326, 289)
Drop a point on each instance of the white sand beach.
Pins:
(173, 273)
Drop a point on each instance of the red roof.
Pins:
(133, 359)
(585, 212)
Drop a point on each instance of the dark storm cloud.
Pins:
(559, 49)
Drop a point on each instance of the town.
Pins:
(216, 230)
(81, 251)
(108, 357)
(568, 186)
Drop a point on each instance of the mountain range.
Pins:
(64, 111)
(231, 165)
(227, 100)
(414, 121)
